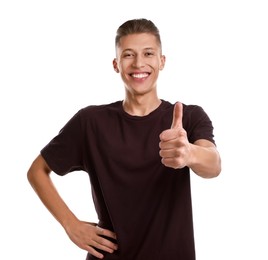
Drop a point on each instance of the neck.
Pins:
(140, 106)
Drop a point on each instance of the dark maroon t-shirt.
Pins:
(146, 204)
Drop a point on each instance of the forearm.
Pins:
(85, 235)
(205, 161)
(42, 184)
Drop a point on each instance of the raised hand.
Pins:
(174, 144)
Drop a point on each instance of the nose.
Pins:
(138, 62)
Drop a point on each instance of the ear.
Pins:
(163, 61)
(115, 65)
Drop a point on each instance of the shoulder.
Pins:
(93, 115)
(193, 110)
(197, 123)
(92, 110)
(189, 110)
(194, 113)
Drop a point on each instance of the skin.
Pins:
(85, 235)
(138, 61)
(201, 157)
(140, 55)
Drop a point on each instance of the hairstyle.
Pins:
(137, 26)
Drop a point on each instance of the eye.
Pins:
(149, 54)
(128, 55)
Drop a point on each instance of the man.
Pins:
(138, 153)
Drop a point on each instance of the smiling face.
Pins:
(139, 60)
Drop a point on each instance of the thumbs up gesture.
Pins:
(174, 144)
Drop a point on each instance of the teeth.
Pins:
(140, 75)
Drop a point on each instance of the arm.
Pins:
(201, 157)
(205, 159)
(83, 234)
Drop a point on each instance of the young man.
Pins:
(138, 154)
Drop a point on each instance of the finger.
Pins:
(177, 116)
(99, 248)
(94, 252)
(105, 244)
(105, 232)
(102, 241)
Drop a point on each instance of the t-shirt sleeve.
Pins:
(200, 125)
(64, 153)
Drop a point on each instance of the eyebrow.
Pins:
(145, 49)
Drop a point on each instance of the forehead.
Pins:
(138, 41)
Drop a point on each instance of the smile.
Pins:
(139, 75)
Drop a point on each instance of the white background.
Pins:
(56, 57)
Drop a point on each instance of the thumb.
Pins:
(177, 116)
